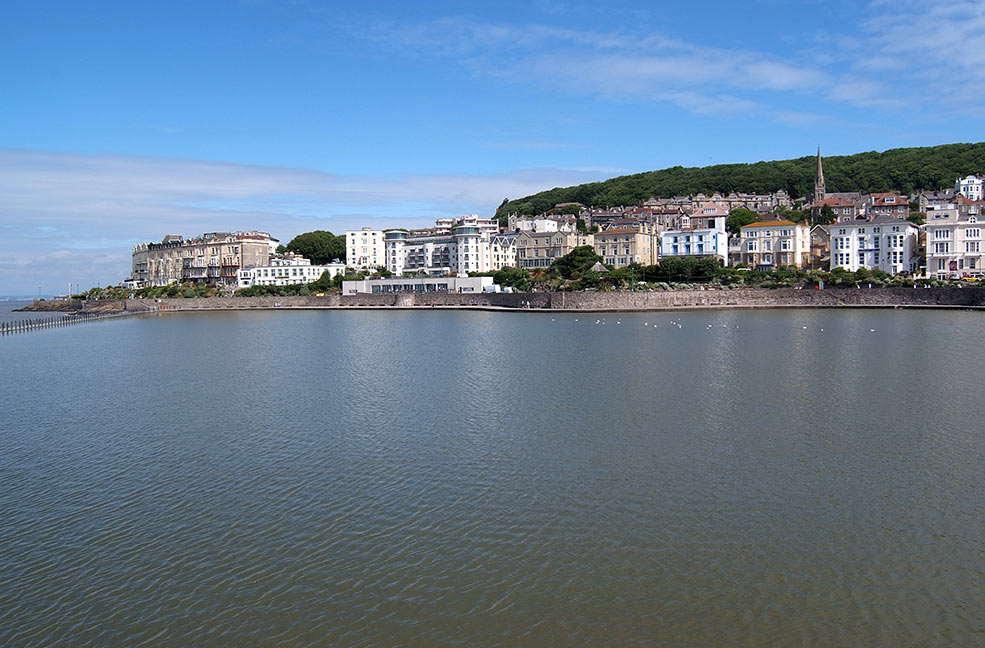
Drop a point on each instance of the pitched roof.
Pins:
(770, 224)
(834, 202)
(617, 231)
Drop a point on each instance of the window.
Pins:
(972, 233)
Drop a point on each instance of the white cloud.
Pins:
(77, 215)
(894, 60)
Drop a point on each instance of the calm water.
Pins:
(7, 313)
(460, 479)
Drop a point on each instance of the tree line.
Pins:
(905, 170)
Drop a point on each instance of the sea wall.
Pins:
(968, 297)
(964, 297)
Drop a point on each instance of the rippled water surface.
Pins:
(457, 479)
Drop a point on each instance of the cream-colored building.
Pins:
(621, 246)
(954, 244)
(775, 243)
(213, 258)
(365, 248)
(539, 249)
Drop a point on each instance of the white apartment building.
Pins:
(488, 226)
(704, 236)
(775, 243)
(465, 249)
(970, 187)
(364, 248)
(954, 244)
(887, 244)
(502, 251)
(536, 225)
(285, 270)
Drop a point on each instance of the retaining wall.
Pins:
(970, 297)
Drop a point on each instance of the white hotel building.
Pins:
(887, 244)
(954, 243)
(286, 270)
(364, 248)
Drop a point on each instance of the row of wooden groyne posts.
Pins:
(25, 325)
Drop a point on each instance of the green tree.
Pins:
(905, 170)
(319, 246)
(826, 216)
(739, 217)
(917, 218)
(516, 278)
(573, 264)
(324, 283)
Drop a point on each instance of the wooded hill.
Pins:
(905, 170)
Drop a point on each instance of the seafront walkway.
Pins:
(969, 298)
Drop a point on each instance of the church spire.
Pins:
(819, 179)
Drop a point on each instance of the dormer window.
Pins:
(890, 199)
(972, 219)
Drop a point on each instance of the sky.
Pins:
(121, 122)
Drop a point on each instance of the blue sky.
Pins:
(121, 122)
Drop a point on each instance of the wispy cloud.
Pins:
(935, 49)
(614, 65)
(881, 62)
(77, 215)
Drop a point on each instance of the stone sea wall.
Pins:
(967, 297)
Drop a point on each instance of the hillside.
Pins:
(905, 170)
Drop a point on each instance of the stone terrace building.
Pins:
(621, 246)
(213, 258)
(539, 249)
